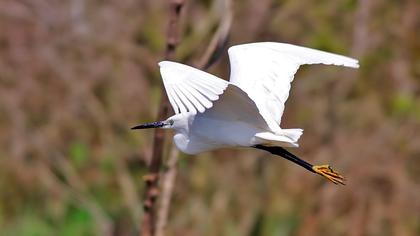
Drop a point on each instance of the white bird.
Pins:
(212, 113)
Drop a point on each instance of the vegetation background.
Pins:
(76, 75)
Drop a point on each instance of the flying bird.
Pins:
(246, 111)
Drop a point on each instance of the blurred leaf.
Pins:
(326, 41)
(232, 229)
(350, 4)
(30, 224)
(107, 163)
(280, 225)
(79, 153)
(77, 222)
(403, 105)
(151, 35)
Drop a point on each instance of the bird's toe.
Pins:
(327, 172)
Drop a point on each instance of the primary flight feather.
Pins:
(211, 113)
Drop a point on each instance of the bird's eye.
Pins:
(171, 122)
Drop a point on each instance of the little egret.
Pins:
(212, 113)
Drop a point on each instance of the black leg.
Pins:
(279, 151)
(323, 170)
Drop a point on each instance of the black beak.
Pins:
(156, 124)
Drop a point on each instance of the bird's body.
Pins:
(212, 113)
(233, 115)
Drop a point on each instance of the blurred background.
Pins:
(76, 75)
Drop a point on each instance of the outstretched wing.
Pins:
(265, 70)
(190, 89)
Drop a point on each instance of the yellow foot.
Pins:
(327, 172)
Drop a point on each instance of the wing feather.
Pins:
(180, 105)
(203, 98)
(193, 99)
(202, 101)
(189, 89)
(172, 100)
(207, 91)
(185, 100)
(265, 70)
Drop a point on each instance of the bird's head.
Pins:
(178, 122)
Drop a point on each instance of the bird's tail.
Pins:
(293, 134)
(284, 138)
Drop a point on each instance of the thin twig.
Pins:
(152, 179)
(218, 42)
(168, 183)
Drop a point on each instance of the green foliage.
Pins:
(151, 35)
(79, 153)
(326, 41)
(77, 222)
(404, 106)
(276, 225)
(281, 225)
(30, 224)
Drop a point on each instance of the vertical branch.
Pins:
(152, 179)
(361, 28)
(212, 54)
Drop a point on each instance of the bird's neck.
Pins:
(181, 126)
(181, 141)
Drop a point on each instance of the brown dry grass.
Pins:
(75, 75)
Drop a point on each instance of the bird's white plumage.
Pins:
(252, 102)
(190, 89)
(265, 70)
